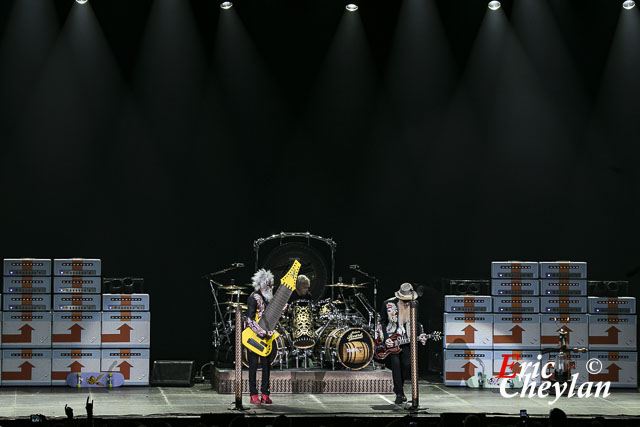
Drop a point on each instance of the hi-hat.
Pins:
(237, 293)
(232, 287)
(233, 304)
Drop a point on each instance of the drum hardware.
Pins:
(371, 312)
(305, 354)
(234, 265)
(374, 279)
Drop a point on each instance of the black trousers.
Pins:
(400, 365)
(266, 372)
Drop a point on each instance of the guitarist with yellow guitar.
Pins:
(263, 313)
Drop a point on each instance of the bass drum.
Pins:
(280, 345)
(353, 347)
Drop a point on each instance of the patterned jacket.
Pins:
(255, 307)
(389, 319)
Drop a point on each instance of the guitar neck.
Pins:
(272, 313)
(406, 340)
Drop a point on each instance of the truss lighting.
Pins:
(494, 5)
(629, 4)
(226, 5)
(352, 7)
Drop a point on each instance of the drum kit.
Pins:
(330, 331)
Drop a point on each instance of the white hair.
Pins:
(261, 279)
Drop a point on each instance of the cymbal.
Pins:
(348, 285)
(337, 285)
(233, 304)
(237, 293)
(232, 287)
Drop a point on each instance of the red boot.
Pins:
(254, 399)
(265, 399)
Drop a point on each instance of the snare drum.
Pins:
(302, 324)
(352, 347)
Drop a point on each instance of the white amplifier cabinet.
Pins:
(524, 287)
(27, 267)
(76, 302)
(518, 358)
(26, 302)
(460, 365)
(563, 270)
(621, 368)
(76, 329)
(26, 367)
(516, 304)
(125, 302)
(77, 285)
(77, 267)
(563, 304)
(571, 287)
(26, 285)
(126, 329)
(132, 363)
(577, 363)
(613, 332)
(612, 305)
(576, 326)
(516, 331)
(468, 330)
(69, 361)
(27, 329)
(514, 270)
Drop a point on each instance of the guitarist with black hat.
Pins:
(395, 319)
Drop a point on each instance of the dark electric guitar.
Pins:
(381, 350)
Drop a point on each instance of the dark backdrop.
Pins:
(427, 138)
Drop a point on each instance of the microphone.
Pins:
(354, 267)
(237, 264)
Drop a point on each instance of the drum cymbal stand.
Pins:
(218, 323)
(218, 317)
(356, 268)
(370, 310)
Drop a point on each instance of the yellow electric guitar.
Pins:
(271, 315)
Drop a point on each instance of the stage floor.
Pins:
(17, 402)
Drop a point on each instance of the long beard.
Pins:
(404, 314)
(267, 294)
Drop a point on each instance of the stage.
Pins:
(177, 402)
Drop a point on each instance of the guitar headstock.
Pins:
(291, 277)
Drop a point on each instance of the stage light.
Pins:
(629, 4)
(352, 7)
(494, 5)
(226, 5)
(81, 1)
